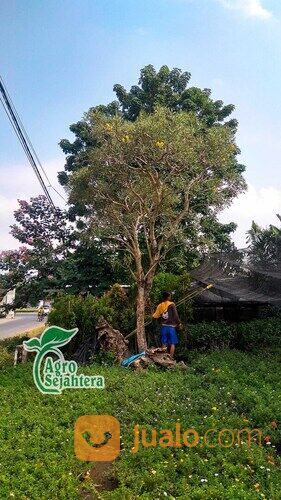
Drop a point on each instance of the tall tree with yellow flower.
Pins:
(139, 182)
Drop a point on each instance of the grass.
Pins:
(227, 389)
(27, 309)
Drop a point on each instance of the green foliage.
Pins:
(115, 306)
(53, 257)
(264, 246)
(122, 305)
(168, 282)
(93, 267)
(166, 89)
(6, 357)
(46, 236)
(250, 335)
(10, 343)
(221, 389)
(70, 311)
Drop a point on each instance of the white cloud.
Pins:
(260, 205)
(250, 8)
(19, 182)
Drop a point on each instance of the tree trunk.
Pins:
(148, 286)
(141, 338)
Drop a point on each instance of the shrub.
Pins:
(11, 342)
(259, 333)
(122, 307)
(220, 335)
(71, 311)
(6, 357)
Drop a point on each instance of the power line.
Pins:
(26, 143)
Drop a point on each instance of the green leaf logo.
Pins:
(56, 336)
(32, 344)
(52, 338)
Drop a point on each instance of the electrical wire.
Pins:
(26, 143)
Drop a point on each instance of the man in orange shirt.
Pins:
(167, 313)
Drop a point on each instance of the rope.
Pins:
(189, 296)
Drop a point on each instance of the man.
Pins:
(167, 313)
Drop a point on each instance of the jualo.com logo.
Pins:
(51, 372)
(97, 438)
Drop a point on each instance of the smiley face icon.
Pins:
(97, 438)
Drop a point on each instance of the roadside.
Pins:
(22, 323)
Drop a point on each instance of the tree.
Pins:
(264, 246)
(94, 267)
(53, 257)
(167, 88)
(143, 182)
(47, 237)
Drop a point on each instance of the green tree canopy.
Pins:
(166, 88)
(170, 89)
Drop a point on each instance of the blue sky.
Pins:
(59, 57)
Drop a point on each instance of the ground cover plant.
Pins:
(220, 389)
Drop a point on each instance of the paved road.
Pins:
(21, 323)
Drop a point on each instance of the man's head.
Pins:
(166, 296)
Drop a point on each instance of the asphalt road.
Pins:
(21, 323)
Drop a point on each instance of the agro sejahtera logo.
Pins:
(57, 374)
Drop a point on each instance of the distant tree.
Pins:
(146, 183)
(264, 246)
(46, 236)
(93, 267)
(53, 257)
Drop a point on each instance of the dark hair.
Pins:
(166, 296)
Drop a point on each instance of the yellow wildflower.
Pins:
(159, 144)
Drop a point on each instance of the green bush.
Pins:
(259, 333)
(6, 357)
(245, 336)
(11, 342)
(115, 306)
